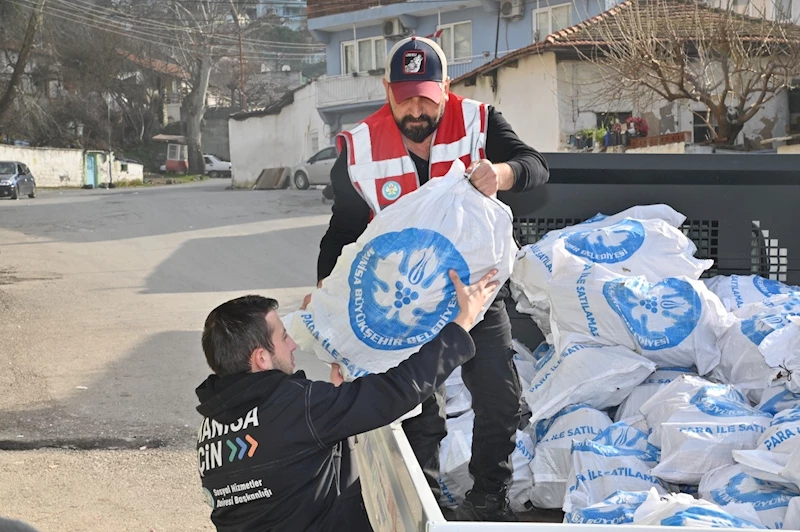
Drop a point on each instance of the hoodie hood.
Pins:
(225, 399)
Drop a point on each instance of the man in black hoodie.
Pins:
(271, 450)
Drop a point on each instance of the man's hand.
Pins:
(336, 375)
(472, 298)
(306, 301)
(489, 177)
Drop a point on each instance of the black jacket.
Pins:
(268, 449)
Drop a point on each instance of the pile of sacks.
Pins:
(657, 398)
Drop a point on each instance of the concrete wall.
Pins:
(51, 167)
(282, 139)
(527, 97)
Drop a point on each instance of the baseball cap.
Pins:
(416, 66)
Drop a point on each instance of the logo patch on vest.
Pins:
(414, 62)
(401, 295)
(391, 190)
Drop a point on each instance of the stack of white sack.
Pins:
(730, 484)
(674, 322)
(684, 510)
(599, 468)
(738, 291)
(778, 449)
(762, 347)
(552, 462)
(454, 456)
(629, 411)
(643, 240)
(584, 372)
(390, 292)
(697, 425)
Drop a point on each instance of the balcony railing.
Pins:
(342, 90)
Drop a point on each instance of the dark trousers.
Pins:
(491, 378)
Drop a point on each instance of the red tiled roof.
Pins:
(684, 22)
(157, 65)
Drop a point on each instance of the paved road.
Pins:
(102, 299)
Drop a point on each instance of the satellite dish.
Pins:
(286, 68)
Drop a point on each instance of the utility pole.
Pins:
(241, 70)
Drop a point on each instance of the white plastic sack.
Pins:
(617, 509)
(626, 242)
(702, 435)
(458, 398)
(525, 361)
(634, 441)
(519, 491)
(629, 408)
(390, 291)
(730, 484)
(763, 344)
(677, 395)
(585, 372)
(778, 468)
(783, 434)
(674, 322)
(552, 462)
(455, 452)
(792, 521)
(600, 470)
(778, 398)
(680, 509)
(737, 291)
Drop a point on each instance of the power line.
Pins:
(141, 35)
(154, 24)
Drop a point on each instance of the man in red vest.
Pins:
(415, 137)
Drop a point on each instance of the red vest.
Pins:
(379, 165)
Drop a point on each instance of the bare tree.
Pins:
(732, 58)
(34, 22)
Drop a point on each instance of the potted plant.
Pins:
(640, 127)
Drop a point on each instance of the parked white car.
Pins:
(316, 170)
(214, 167)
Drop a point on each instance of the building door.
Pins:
(91, 169)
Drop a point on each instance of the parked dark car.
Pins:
(16, 179)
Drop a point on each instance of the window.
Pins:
(207, 160)
(174, 152)
(700, 127)
(363, 55)
(53, 88)
(606, 120)
(550, 20)
(456, 41)
(326, 154)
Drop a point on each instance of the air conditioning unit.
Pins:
(512, 9)
(393, 28)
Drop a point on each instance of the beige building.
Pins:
(549, 94)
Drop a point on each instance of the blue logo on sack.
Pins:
(599, 217)
(607, 245)
(391, 190)
(769, 287)
(660, 316)
(401, 295)
(616, 509)
(723, 401)
(783, 400)
(622, 435)
(746, 489)
(707, 516)
(760, 326)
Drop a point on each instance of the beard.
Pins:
(418, 133)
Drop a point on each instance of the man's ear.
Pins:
(260, 360)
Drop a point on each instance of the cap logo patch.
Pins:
(414, 62)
